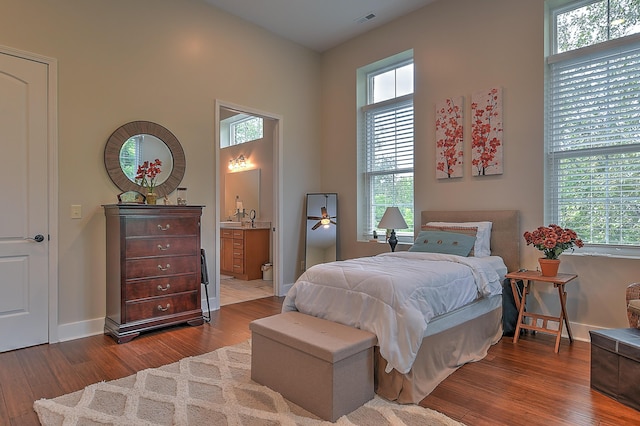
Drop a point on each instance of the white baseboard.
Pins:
(581, 331)
(80, 329)
(284, 289)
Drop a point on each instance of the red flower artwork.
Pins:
(486, 132)
(449, 137)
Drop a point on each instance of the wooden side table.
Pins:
(559, 281)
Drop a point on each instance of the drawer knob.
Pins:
(165, 248)
(164, 288)
(165, 309)
(166, 228)
(166, 268)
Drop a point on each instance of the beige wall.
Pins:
(165, 61)
(461, 46)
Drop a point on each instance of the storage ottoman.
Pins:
(322, 366)
(615, 364)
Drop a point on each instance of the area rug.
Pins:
(210, 389)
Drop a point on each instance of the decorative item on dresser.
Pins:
(153, 268)
(244, 251)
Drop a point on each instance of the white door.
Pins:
(24, 275)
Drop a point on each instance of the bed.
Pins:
(425, 331)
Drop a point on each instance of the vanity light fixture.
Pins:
(238, 163)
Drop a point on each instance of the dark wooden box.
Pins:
(615, 364)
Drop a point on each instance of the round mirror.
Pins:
(134, 143)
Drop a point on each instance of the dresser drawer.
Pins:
(161, 246)
(227, 233)
(238, 265)
(238, 234)
(161, 266)
(160, 306)
(141, 289)
(238, 244)
(152, 226)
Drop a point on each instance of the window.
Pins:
(240, 128)
(246, 130)
(386, 144)
(593, 122)
(130, 156)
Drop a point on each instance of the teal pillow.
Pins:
(443, 242)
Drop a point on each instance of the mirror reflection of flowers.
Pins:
(147, 173)
(552, 240)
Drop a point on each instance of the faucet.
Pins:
(240, 214)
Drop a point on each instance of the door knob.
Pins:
(38, 238)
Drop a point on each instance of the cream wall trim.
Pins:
(52, 176)
(581, 332)
(80, 329)
(284, 289)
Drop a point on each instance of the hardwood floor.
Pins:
(526, 383)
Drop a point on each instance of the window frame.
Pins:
(367, 205)
(552, 157)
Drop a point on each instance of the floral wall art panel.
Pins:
(486, 132)
(449, 138)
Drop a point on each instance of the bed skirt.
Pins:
(443, 351)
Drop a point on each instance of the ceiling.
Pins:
(319, 24)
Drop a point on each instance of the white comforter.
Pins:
(394, 295)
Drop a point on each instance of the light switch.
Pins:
(76, 211)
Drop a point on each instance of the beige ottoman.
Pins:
(324, 367)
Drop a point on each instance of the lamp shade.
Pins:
(392, 219)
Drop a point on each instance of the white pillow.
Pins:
(482, 246)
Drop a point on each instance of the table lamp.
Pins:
(392, 219)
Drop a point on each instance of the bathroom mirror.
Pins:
(321, 229)
(242, 187)
(136, 142)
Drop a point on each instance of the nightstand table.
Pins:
(528, 277)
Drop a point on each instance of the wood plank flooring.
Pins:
(521, 384)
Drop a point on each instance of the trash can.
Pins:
(267, 272)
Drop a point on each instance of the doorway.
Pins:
(248, 199)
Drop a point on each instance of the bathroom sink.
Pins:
(230, 224)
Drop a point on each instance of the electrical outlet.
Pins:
(76, 211)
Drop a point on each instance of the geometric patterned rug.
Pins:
(210, 389)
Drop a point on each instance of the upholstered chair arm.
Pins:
(633, 293)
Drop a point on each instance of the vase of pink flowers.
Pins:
(146, 175)
(552, 240)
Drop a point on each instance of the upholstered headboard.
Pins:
(505, 230)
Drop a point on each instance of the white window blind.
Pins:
(388, 152)
(593, 144)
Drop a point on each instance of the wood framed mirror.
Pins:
(321, 229)
(136, 142)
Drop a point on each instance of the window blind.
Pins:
(388, 155)
(593, 145)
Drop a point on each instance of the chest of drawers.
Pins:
(153, 268)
